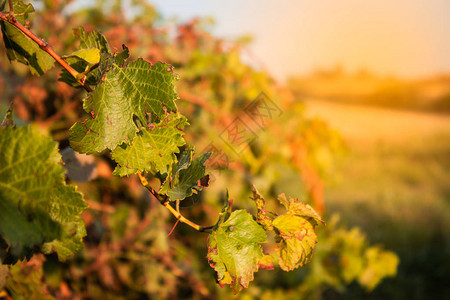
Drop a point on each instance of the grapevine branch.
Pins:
(45, 47)
(80, 77)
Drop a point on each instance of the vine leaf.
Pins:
(121, 58)
(37, 208)
(234, 250)
(81, 61)
(183, 180)
(296, 233)
(294, 230)
(93, 49)
(138, 90)
(297, 241)
(92, 39)
(91, 55)
(21, 48)
(152, 149)
(261, 215)
(298, 208)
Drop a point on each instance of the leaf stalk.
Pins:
(166, 203)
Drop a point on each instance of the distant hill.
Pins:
(428, 94)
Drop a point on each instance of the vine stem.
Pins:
(80, 77)
(166, 203)
(45, 47)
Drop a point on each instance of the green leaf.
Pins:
(234, 250)
(93, 49)
(92, 39)
(183, 181)
(91, 56)
(80, 65)
(21, 48)
(139, 90)
(122, 56)
(152, 149)
(21, 10)
(69, 242)
(37, 208)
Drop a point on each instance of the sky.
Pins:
(405, 38)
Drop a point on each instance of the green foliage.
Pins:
(234, 246)
(183, 179)
(21, 48)
(234, 249)
(152, 149)
(93, 50)
(81, 60)
(133, 116)
(92, 40)
(37, 209)
(133, 113)
(138, 90)
(90, 56)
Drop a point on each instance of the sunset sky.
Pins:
(408, 38)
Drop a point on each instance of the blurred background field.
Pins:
(394, 183)
(424, 94)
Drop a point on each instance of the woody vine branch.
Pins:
(80, 78)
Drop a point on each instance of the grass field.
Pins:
(395, 184)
